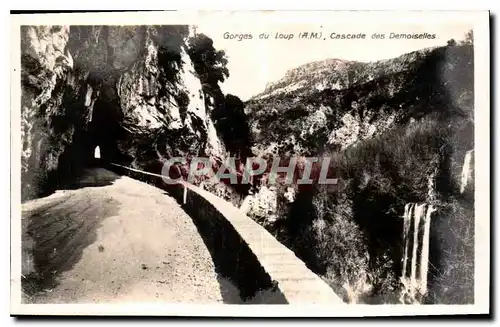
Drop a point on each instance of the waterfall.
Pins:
(417, 218)
(424, 265)
(416, 240)
(407, 220)
(465, 171)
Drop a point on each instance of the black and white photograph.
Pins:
(287, 160)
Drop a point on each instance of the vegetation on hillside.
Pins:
(226, 110)
(432, 81)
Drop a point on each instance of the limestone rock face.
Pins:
(132, 90)
(261, 206)
(46, 68)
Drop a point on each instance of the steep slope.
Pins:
(338, 74)
(334, 103)
(132, 90)
(88, 246)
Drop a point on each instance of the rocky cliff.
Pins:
(131, 90)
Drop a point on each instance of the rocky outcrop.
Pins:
(398, 132)
(131, 90)
(338, 74)
(44, 75)
(261, 206)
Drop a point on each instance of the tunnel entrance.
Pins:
(105, 127)
(92, 145)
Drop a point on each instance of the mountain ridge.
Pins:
(325, 67)
(360, 98)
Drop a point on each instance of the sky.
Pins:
(253, 63)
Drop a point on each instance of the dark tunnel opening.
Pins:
(103, 130)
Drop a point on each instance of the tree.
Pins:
(469, 38)
(209, 63)
(228, 111)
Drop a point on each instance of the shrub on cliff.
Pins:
(451, 276)
(227, 111)
(340, 245)
(209, 64)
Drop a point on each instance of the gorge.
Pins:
(398, 225)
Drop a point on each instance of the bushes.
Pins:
(340, 247)
(232, 124)
(209, 63)
(397, 163)
(451, 277)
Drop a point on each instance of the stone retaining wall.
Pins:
(264, 270)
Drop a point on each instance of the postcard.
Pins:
(250, 163)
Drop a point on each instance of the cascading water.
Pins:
(416, 240)
(406, 231)
(466, 171)
(424, 263)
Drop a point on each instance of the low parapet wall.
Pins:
(264, 270)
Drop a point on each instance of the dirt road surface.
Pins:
(114, 239)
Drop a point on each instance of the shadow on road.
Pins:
(55, 233)
(96, 177)
(236, 265)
